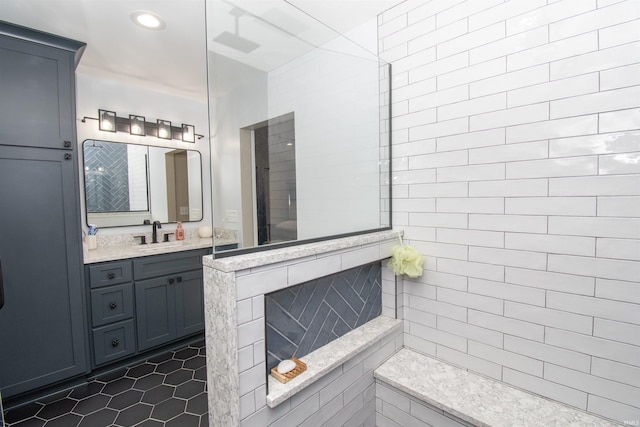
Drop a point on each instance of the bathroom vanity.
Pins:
(136, 304)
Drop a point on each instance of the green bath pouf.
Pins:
(406, 260)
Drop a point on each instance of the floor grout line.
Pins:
(142, 395)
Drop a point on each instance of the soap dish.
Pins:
(285, 378)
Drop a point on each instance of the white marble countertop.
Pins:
(274, 255)
(323, 360)
(116, 252)
(477, 399)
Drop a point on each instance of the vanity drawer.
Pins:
(111, 304)
(161, 265)
(114, 341)
(110, 273)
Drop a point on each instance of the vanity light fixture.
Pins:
(107, 120)
(188, 133)
(164, 129)
(136, 125)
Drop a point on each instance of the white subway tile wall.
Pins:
(518, 157)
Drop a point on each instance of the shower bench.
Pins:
(417, 390)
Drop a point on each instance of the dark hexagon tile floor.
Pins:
(167, 390)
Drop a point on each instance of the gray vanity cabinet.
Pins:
(42, 320)
(171, 305)
(189, 295)
(112, 310)
(155, 311)
(141, 303)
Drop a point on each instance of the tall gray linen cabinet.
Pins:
(42, 319)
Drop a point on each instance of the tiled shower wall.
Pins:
(516, 154)
(302, 318)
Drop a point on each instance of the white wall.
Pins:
(335, 100)
(516, 150)
(137, 172)
(238, 99)
(194, 162)
(158, 191)
(96, 91)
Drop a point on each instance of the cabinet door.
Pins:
(155, 311)
(189, 303)
(42, 337)
(37, 93)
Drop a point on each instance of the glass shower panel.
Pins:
(268, 59)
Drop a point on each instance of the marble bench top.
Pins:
(474, 398)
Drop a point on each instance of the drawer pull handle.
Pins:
(67, 144)
(171, 281)
(113, 305)
(115, 343)
(179, 279)
(111, 276)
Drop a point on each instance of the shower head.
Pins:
(236, 42)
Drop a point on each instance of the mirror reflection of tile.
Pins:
(107, 178)
(303, 318)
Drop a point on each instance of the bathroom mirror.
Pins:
(126, 184)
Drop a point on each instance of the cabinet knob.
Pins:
(67, 156)
(113, 305)
(67, 144)
(115, 343)
(111, 276)
(171, 281)
(179, 279)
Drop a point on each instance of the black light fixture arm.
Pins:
(123, 124)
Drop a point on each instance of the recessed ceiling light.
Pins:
(148, 19)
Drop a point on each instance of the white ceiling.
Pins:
(175, 57)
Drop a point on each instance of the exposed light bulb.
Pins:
(106, 125)
(136, 129)
(162, 133)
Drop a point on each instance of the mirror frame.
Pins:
(84, 183)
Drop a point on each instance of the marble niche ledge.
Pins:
(323, 360)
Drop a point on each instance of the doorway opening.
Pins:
(269, 169)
